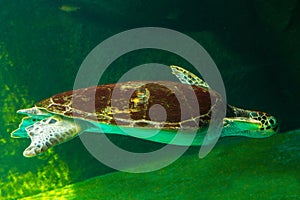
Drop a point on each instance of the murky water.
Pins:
(43, 43)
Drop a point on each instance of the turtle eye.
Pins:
(272, 121)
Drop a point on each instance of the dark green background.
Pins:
(255, 45)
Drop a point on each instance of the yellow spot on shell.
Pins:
(135, 101)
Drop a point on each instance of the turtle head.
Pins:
(268, 123)
(249, 123)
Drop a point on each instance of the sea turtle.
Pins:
(112, 108)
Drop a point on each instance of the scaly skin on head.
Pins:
(266, 124)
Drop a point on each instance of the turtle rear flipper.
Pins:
(33, 115)
(34, 111)
(26, 122)
(48, 133)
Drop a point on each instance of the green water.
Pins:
(255, 46)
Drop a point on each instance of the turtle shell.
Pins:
(160, 104)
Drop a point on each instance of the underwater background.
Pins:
(255, 44)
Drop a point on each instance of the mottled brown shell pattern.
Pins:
(129, 103)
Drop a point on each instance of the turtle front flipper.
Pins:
(48, 133)
(26, 122)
